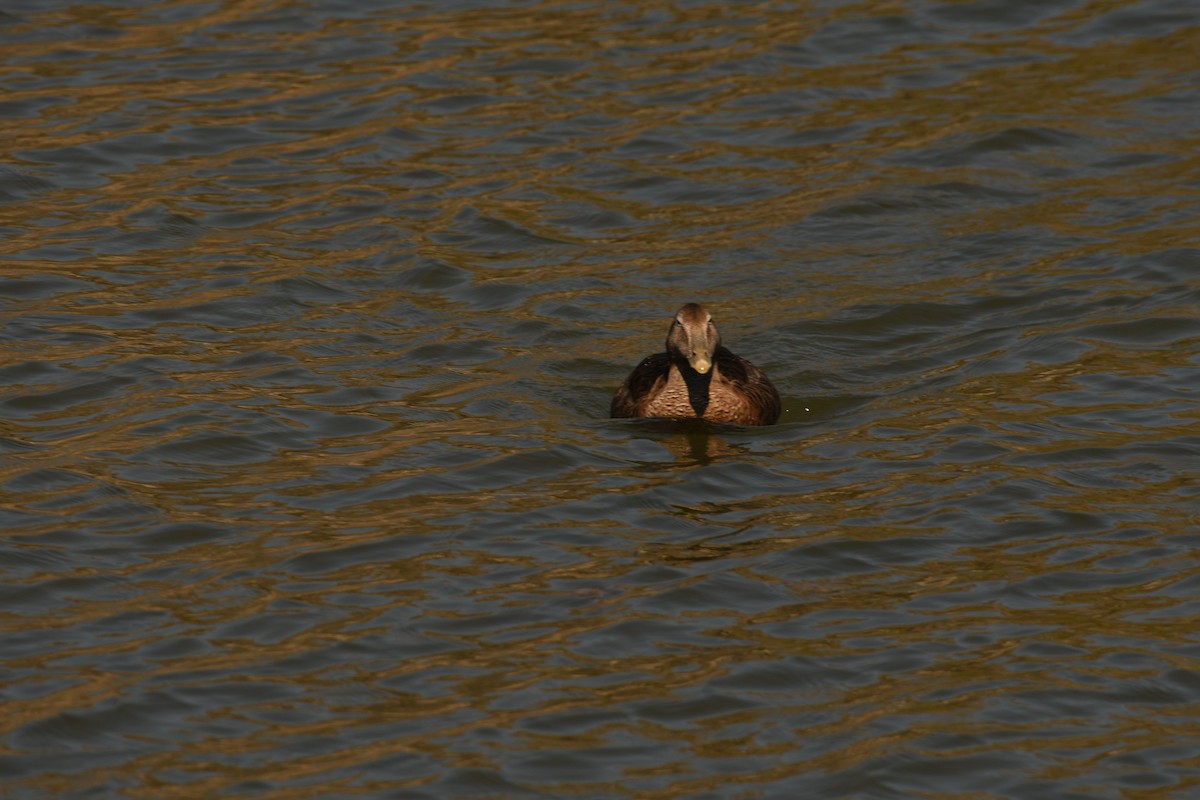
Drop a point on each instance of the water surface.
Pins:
(311, 316)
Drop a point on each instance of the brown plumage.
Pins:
(697, 378)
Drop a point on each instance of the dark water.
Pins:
(311, 316)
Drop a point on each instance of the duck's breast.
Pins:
(672, 400)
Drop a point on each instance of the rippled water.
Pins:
(311, 316)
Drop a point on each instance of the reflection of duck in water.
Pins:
(697, 378)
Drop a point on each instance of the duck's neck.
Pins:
(697, 385)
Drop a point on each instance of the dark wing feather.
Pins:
(753, 383)
(640, 386)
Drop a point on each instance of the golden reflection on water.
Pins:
(810, 177)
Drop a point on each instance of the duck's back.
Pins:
(736, 392)
(740, 393)
(644, 384)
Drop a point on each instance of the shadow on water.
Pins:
(692, 442)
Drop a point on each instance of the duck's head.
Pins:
(694, 337)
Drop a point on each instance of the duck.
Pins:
(697, 378)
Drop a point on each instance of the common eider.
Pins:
(697, 378)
